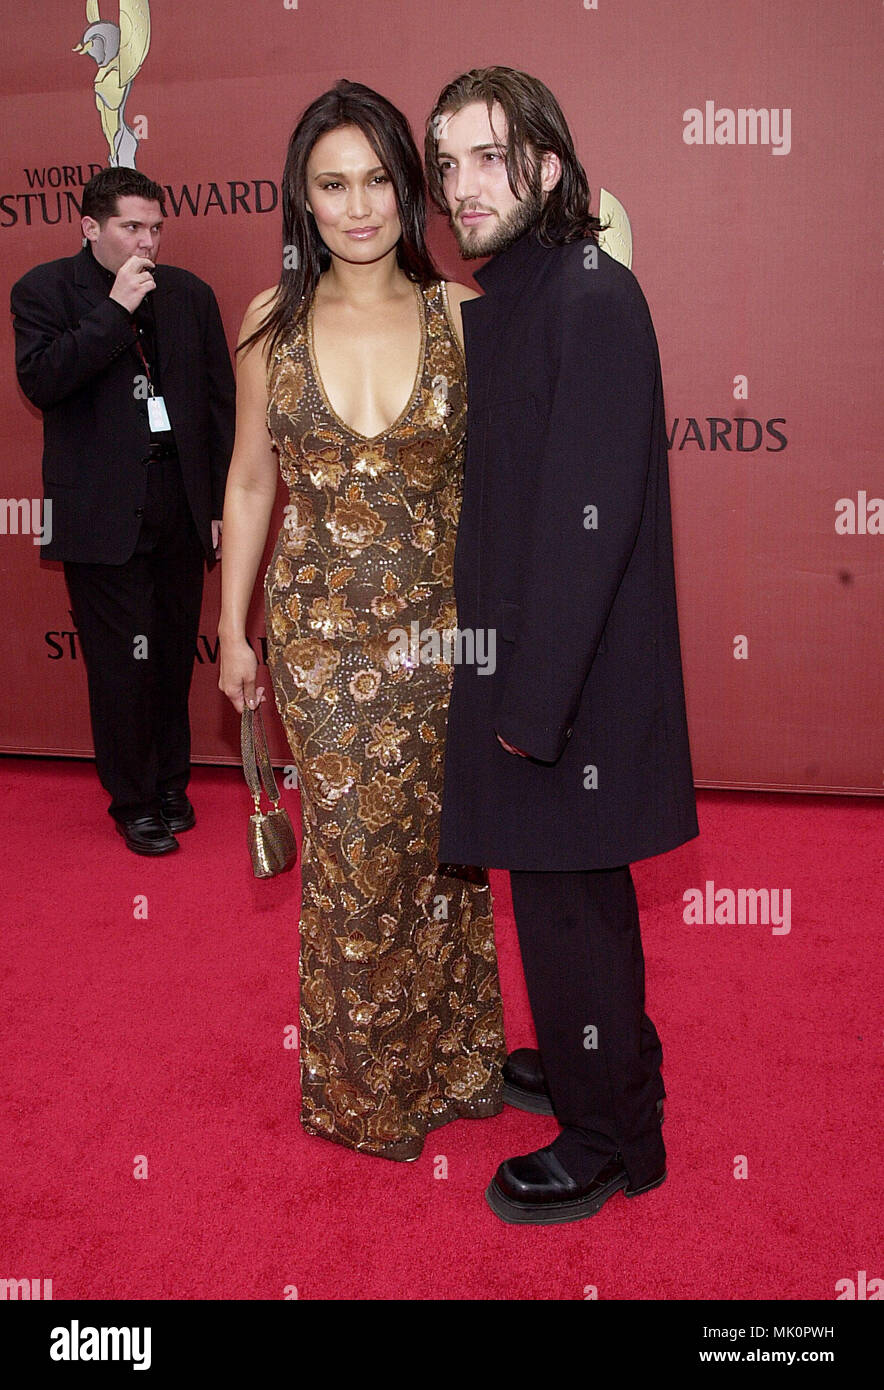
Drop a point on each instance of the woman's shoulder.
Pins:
(458, 293)
(261, 325)
(255, 315)
(257, 307)
(452, 295)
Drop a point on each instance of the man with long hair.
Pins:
(572, 759)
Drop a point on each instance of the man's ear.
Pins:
(550, 170)
(90, 228)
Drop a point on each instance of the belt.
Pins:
(160, 450)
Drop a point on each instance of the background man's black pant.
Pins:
(138, 702)
(584, 967)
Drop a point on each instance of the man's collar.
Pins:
(91, 270)
(510, 263)
(103, 271)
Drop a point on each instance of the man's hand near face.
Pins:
(133, 282)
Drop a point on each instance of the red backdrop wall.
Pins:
(760, 261)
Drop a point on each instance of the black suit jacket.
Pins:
(565, 414)
(76, 361)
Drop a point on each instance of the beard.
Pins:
(508, 229)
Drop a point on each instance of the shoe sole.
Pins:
(151, 853)
(531, 1101)
(549, 1213)
(557, 1213)
(177, 829)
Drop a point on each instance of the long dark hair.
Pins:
(535, 124)
(389, 134)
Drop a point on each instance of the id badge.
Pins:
(157, 415)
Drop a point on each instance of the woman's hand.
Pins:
(239, 667)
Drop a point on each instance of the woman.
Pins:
(355, 363)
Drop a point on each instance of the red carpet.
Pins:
(165, 1038)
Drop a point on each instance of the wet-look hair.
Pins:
(389, 134)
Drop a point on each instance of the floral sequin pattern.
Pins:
(401, 1027)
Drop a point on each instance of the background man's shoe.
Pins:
(177, 812)
(147, 835)
(524, 1083)
(535, 1190)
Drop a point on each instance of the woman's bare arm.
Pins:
(252, 482)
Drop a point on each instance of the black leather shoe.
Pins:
(147, 835)
(535, 1190)
(524, 1083)
(177, 812)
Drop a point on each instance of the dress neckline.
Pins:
(372, 438)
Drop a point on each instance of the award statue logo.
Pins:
(616, 239)
(118, 51)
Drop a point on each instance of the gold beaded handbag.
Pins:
(272, 844)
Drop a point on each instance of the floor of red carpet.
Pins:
(162, 1038)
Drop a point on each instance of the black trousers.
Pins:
(584, 968)
(138, 624)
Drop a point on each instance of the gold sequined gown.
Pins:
(401, 1027)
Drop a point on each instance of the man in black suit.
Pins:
(129, 364)
(572, 758)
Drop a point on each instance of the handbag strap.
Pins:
(255, 757)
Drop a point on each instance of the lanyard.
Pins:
(140, 351)
(157, 415)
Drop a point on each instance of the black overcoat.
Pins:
(76, 361)
(565, 415)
